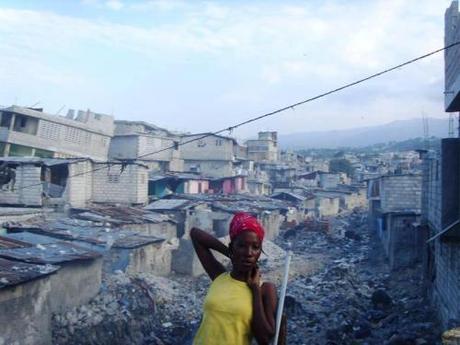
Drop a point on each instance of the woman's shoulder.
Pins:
(268, 288)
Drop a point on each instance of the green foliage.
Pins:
(341, 165)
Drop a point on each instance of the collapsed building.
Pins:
(394, 207)
(33, 181)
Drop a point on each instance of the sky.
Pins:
(201, 66)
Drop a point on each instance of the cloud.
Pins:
(262, 54)
(115, 5)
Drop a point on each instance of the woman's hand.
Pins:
(253, 279)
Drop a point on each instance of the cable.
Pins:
(292, 106)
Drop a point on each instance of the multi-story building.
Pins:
(263, 149)
(213, 155)
(32, 132)
(452, 59)
(156, 147)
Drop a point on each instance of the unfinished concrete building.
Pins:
(32, 132)
(395, 203)
(76, 182)
(212, 155)
(264, 148)
(133, 139)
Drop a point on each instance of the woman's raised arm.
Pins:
(203, 243)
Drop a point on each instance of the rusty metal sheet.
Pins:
(9, 243)
(53, 253)
(135, 241)
(14, 272)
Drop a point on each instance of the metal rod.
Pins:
(279, 312)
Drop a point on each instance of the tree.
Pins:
(341, 165)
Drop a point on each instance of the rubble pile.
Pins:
(122, 313)
(353, 299)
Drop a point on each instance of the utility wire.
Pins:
(272, 113)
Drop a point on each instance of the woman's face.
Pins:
(246, 249)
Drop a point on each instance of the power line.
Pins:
(272, 113)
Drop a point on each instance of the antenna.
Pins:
(60, 109)
(426, 131)
(36, 103)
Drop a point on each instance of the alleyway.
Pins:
(340, 292)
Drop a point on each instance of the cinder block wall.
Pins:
(401, 192)
(27, 189)
(79, 185)
(112, 184)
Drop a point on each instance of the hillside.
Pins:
(365, 136)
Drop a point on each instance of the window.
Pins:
(113, 178)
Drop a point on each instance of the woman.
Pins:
(237, 306)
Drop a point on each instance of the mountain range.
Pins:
(365, 136)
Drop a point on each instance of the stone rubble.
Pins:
(340, 292)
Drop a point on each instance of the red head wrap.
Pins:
(245, 222)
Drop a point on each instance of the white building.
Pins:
(31, 132)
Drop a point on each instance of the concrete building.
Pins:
(264, 148)
(212, 156)
(452, 59)
(24, 300)
(395, 203)
(441, 219)
(133, 139)
(31, 132)
(77, 182)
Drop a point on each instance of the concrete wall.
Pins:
(184, 259)
(446, 289)
(402, 242)
(154, 258)
(327, 206)
(76, 283)
(25, 317)
(79, 187)
(213, 148)
(27, 190)
(452, 58)
(212, 168)
(271, 221)
(165, 230)
(112, 185)
(401, 192)
(65, 139)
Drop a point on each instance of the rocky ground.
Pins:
(340, 292)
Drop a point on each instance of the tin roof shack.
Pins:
(79, 277)
(187, 213)
(40, 181)
(302, 205)
(24, 301)
(441, 217)
(122, 249)
(134, 139)
(31, 181)
(327, 204)
(329, 180)
(229, 185)
(120, 183)
(32, 132)
(181, 183)
(395, 203)
(131, 218)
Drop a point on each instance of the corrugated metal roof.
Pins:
(123, 215)
(14, 272)
(54, 253)
(169, 204)
(8, 243)
(117, 238)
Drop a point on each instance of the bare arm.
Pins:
(203, 243)
(263, 304)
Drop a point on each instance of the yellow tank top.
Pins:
(227, 313)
